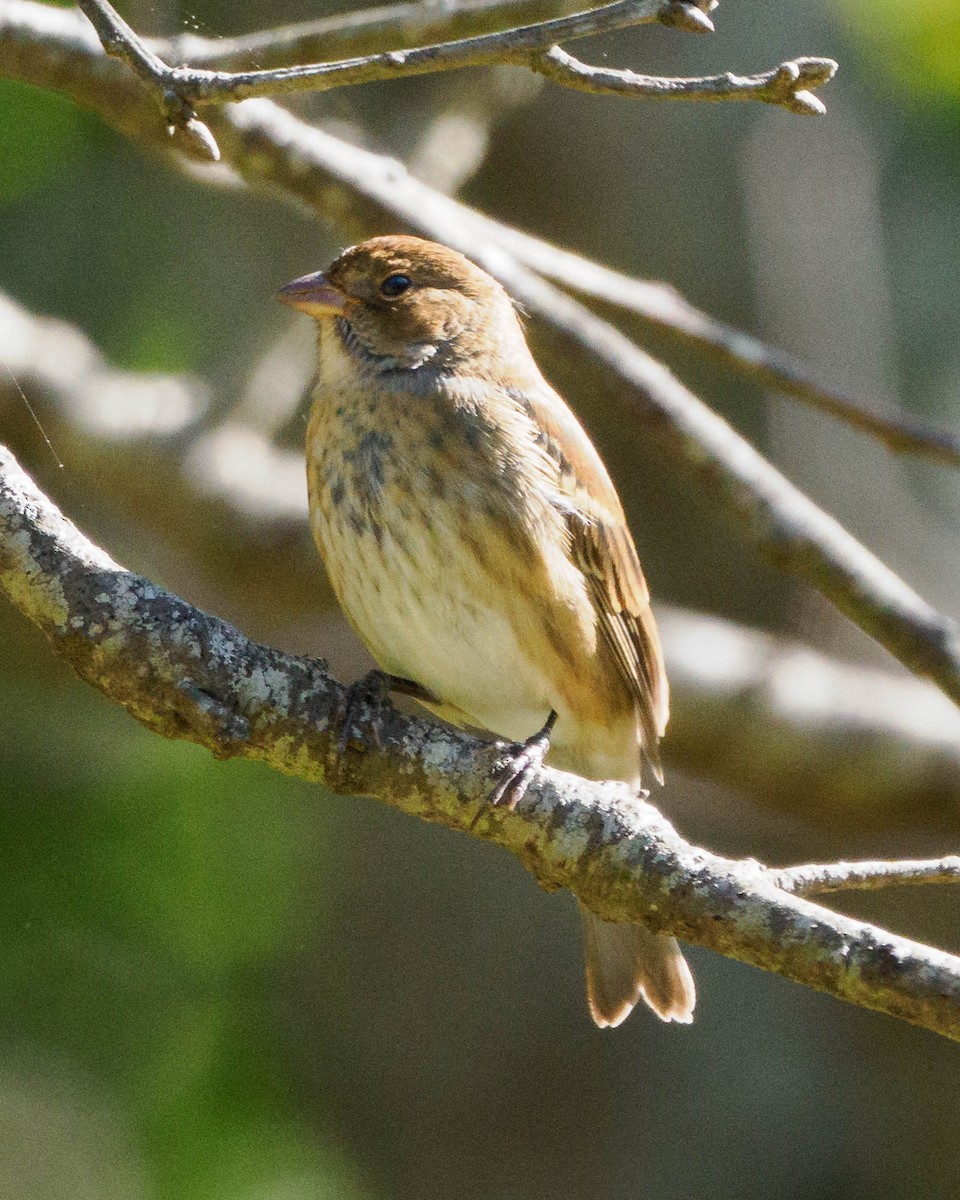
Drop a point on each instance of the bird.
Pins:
(478, 547)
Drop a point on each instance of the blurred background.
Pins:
(218, 982)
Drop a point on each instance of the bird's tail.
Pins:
(626, 963)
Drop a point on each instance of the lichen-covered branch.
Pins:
(367, 193)
(186, 674)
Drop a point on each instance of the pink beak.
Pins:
(315, 295)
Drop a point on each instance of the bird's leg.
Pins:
(367, 697)
(515, 776)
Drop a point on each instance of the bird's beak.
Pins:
(315, 295)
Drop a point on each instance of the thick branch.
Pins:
(347, 185)
(188, 675)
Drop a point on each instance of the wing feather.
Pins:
(601, 546)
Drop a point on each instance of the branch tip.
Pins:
(689, 17)
(201, 139)
(791, 85)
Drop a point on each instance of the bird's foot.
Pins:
(360, 711)
(527, 757)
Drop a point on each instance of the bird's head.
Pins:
(402, 303)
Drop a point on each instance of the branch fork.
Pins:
(180, 89)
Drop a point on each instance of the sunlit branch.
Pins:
(789, 86)
(661, 306)
(351, 34)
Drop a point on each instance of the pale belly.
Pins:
(427, 612)
(452, 582)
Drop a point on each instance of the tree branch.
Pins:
(656, 303)
(352, 187)
(533, 46)
(185, 674)
(661, 306)
(120, 40)
(789, 86)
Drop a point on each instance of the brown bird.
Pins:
(476, 543)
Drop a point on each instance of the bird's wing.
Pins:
(603, 549)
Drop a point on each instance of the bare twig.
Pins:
(351, 34)
(532, 46)
(815, 879)
(790, 85)
(185, 674)
(347, 185)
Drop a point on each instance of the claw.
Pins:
(515, 777)
(361, 709)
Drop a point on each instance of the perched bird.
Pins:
(478, 547)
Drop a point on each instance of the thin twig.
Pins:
(507, 46)
(518, 47)
(186, 674)
(815, 879)
(351, 34)
(789, 85)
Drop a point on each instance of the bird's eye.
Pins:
(394, 285)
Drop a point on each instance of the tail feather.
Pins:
(626, 963)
